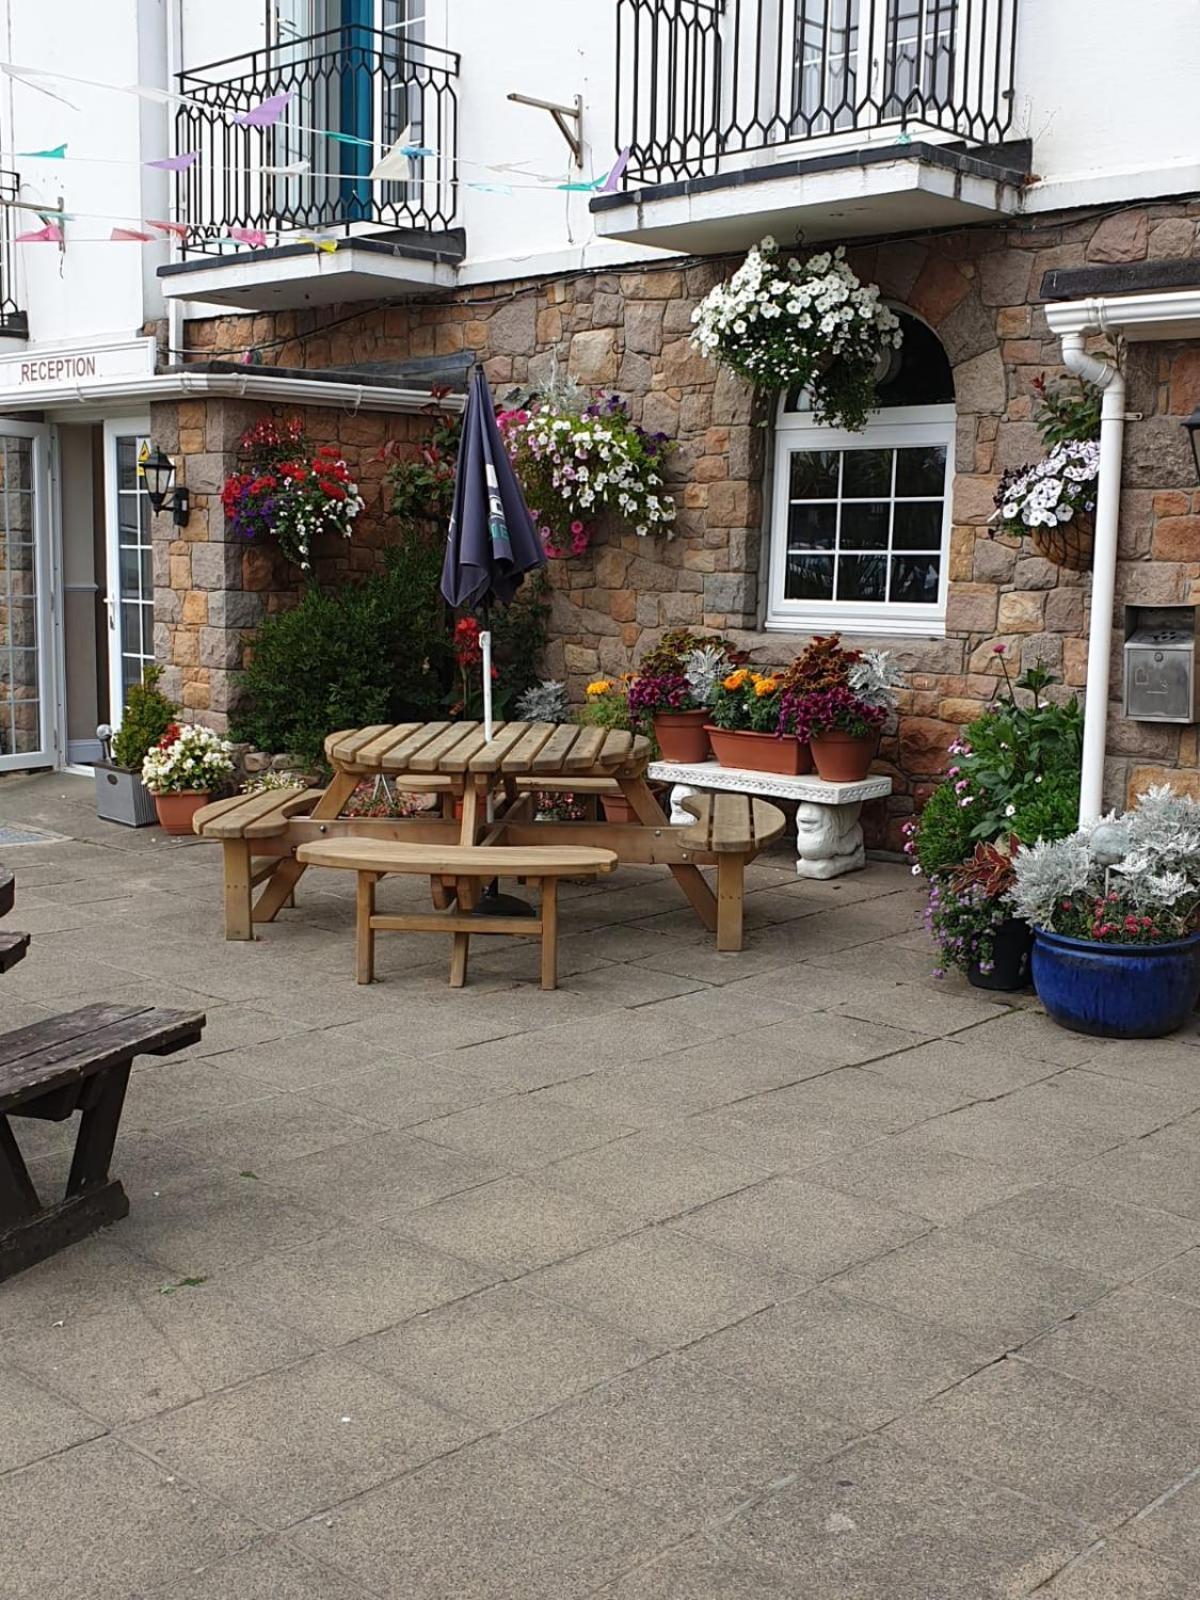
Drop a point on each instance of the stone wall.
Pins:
(629, 331)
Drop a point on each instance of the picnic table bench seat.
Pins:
(734, 828)
(49, 1070)
(469, 866)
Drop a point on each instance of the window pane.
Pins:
(127, 463)
(915, 579)
(862, 577)
(921, 471)
(131, 627)
(811, 527)
(809, 578)
(814, 474)
(867, 473)
(918, 525)
(865, 525)
(130, 565)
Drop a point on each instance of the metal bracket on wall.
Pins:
(563, 116)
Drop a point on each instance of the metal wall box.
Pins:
(1161, 681)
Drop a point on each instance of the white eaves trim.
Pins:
(182, 385)
(1160, 314)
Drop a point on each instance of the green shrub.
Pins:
(943, 836)
(147, 716)
(376, 651)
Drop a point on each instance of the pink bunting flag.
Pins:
(270, 111)
(617, 173)
(179, 229)
(50, 234)
(179, 163)
(131, 236)
(251, 236)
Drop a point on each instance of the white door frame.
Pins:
(115, 428)
(45, 574)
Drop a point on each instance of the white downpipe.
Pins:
(1104, 566)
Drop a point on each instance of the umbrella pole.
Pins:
(492, 903)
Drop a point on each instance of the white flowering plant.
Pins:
(1132, 879)
(580, 457)
(187, 759)
(1054, 491)
(812, 324)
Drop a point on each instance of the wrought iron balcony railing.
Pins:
(362, 86)
(699, 81)
(14, 323)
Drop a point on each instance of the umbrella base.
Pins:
(494, 904)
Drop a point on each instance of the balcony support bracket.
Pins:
(563, 116)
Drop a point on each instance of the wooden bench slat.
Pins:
(616, 749)
(42, 1071)
(344, 747)
(466, 861)
(275, 821)
(370, 754)
(398, 757)
(553, 754)
(215, 809)
(584, 754)
(20, 1042)
(731, 824)
(429, 758)
(8, 893)
(494, 757)
(236, 822)
(459, 757)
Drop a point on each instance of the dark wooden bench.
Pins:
(48, 1071)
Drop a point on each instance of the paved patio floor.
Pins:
(793, 1275)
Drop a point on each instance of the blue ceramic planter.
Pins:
(1119, 991)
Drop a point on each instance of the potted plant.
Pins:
(672, 690)
(121, 796)
(606, 705)
(801, 324)
(971, 918)
(1115, 908)
(842, 729)
(290, 493)
(745, 728)
(183, 770)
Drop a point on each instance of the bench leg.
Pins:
(239, 905)
(731, 884)
(364, 944)
(18, 1197)
(459, 948)
(548, 917)
(98, 1131)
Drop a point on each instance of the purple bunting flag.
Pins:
(269, 112)
(179, 163)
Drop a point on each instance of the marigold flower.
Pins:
(599, 686)
(765, 686)
(735, 680)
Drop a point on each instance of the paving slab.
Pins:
(267, 1570)
(283, 1446)
(651, 1176)
(938, 1184)
(502, 1356)
(700, 1570)
(1059, 1441)
(37, 1422)
(691, 1443)
(1115, 1572)
(1161, 1170)
(663, 1287)
(879, 1523)
(997, 1296)
(101, 1522)
(861, 1364)
(488, 1523)
(1137, 1345)
(525, 1131)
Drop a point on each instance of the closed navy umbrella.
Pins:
(493, 542)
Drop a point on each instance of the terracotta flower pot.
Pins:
(759, 752)
(617, 808)
(844, 757)
(176, 810)
(682, 735)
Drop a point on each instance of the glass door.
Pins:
(130, 561)
(26, 673)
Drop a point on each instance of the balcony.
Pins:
(818, 118)
(14, 324)
(298, 185)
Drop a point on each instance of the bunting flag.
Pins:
(251, 236)
(329, 246)
(492, 188)
(618, 172)
(394, 162)
(179, 163)
(59, 153)
(26, 75)
(266, 114)
(131, 236)
(50, 234)
(179, 229)
(294, 169)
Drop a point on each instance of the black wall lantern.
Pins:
(1192, 424)
(158, 472)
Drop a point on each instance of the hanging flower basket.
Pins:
(810, 324)
(1053, 503)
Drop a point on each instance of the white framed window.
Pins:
(860, 525)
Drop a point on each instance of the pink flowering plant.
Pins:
(836, 710)
(581, 457)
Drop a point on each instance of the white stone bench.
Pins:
(829, 837)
